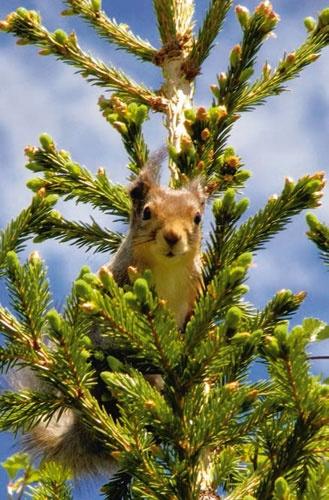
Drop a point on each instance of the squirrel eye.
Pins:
(197, 218)
(146, 213)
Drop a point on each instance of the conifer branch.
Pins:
(256, 28)
(23, 410)
(118, 487)
(14, 236)
(82, 234)
(134, 392)
(174, 20)
(165, 15)
(272, 82)
(233, 89)
(14, 354)
(304, 414)
(110, 30)
(123, 325)
(30, 294)
(291, 64)
(319, 233)
(64, 368)
(27, 26)
(277, 310)
(128, 120)
(207, 33)
(295, 197)
(259, 229)
(11, 327)
(66, 178)
(53, 483)
(225, 290)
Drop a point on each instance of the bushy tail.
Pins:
(64, 438)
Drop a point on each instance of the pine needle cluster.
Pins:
(205, 429)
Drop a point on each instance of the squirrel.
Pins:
(165, 237)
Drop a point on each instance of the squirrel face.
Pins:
(169, 224)
(166, 223)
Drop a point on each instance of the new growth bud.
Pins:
(241, 207)
(243, 15)
(228, 199)
(60, 36)
(115, 364)
(30, 151)
(281, 489)
(215, 90)
(281, 332)
(35, 184)
(222, 80)
(54, 319)
(89, 308)
(131, 299)
(12, 261)
(232, 386)
(4, 26)
(96, 5)
(237, 274)
(205, 134)
(233, 317)
(120, 127)
(313, 222)
(310, 23)
(141, 290)
(217, 206)
(83, 289)
(271, 346)
(106, 277)
(46, 142)
(217, 113)
(245, 259)
(201, 114)
(34, 258)
(186, 144)
(266, 71)
(235, 56)
(269, 17)
(291, 57)
(324, 17)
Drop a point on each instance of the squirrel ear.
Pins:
(198, 188)
(139, 188)
(147, 178)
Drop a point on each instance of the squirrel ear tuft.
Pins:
(198, 188)
(147, 178)
(138, 190)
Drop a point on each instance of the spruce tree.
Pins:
(210, 431)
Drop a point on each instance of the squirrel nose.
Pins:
(171, 238)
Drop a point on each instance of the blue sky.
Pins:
(288, 136)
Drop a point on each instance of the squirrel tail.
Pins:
(67, 440)
(64, 438)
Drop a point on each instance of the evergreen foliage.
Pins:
(319, 233)
(204, 427)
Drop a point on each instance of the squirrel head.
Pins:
(165, 223)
